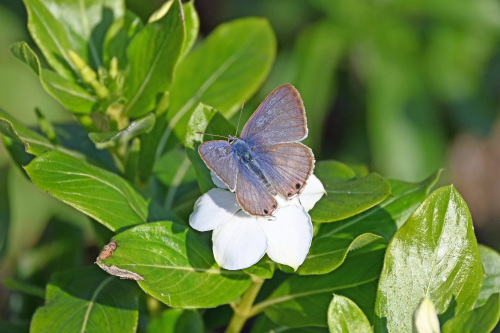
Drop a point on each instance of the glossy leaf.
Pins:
(204, 119)
(177, 321)
(303, 300)
(491, 281)
(152, 55)
(87, 300)
(5, 212)
(263, 269)
(66, 91)
(264, 324)
(435, 255)
(480, 320)
(176, 267)
(329, 252)
(346, 196)
(345, 316)
(58, 27)
(230, 65)
(388, 216)
(102, 195)
(113, 139)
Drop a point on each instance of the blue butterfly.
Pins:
(268, 160)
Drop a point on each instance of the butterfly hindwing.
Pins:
(220, 158)
(252, 195)
(287, 166)
(280, 118)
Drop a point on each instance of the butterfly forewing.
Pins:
(287, 166)
(220, 158)
(279, 118)
(252, 195)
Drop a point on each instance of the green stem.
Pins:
(243, 310)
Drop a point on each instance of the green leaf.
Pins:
(117, 138)
(204, 119)
(153, 54)
(176, 267)
(329, 252)
(192, 23)
(87, 300)
(316, 55)
(304, 300)
(226, 69)
(70, 94)
(435, 255)
(387, 217)
(118, 37)
(345, 316)
(102, 195)
(491, 281)
(33, 142)
(346, 196)
(177, 321)
(481, 319)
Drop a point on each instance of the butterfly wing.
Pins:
(220, 158)
(252, 195)
(281, 117)
(286, 165)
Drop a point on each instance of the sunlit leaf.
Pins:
(102, 195)
(152, 56)
(435, 255)
(227, 68)
(176, 267)
(87, 300)
(345, 316)
(346, 196)
(70, 94)
(329, 252)
(388, 216)
(60, 26)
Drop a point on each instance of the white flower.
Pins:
(241, 240)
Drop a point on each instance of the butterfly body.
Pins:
(267, 160)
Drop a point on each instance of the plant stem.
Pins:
(243, 310)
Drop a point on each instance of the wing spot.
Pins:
(297, 186)
(266, 211)
(289, 194)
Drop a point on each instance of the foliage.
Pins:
(140, 92)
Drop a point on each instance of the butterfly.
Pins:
(267, 160)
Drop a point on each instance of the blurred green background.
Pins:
(405, 87)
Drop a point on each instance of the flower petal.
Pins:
(212, 209)
(312, 192)
(240, 243)
(289, 235)
(219, 183)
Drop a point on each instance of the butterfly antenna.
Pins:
(222, 136)
(238, 126)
